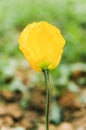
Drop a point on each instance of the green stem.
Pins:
(46, 75)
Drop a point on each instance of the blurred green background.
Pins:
(67, 15)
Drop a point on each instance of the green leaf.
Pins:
(24, 102)
(55, 114)
(73, 87)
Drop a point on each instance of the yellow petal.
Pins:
(42, 45)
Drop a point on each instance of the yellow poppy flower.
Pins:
(42, 45)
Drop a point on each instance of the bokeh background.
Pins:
(21, 88)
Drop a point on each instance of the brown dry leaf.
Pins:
(3, 110)
(42, 119)
(69, 100)
(51, 127)
(38, 99)
(8, 121)
(14, 110)
(65, 126)
(5, 128)
(26, 123)
(76, 74)
(31, 115)
(7, 94)
(29, 119)
(1, 122)
(80, 122)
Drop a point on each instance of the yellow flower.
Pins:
(42, 45)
